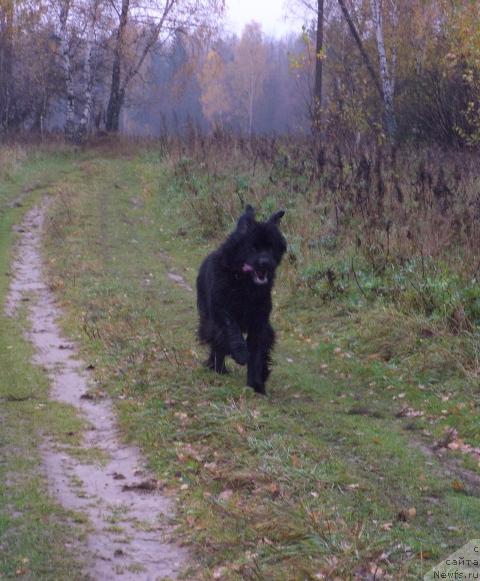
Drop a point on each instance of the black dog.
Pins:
(234, 287)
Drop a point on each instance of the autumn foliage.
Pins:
(405, 71)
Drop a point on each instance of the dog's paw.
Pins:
(258, 387)
(221, 369)
(217, 364)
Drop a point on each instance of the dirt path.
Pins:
(126, 512)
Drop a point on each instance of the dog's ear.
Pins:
(276, 217)
(246, 219)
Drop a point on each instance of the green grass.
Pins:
(37, 539)
(329, 475)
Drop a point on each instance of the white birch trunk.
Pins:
(386, 75)
(84, 124)
(67, 70)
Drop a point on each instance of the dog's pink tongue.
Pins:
(247, 268)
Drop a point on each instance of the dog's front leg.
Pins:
(260, 342)
(235, 343)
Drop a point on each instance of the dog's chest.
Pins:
(249, 305)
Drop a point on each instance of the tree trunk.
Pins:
(84, 125)
(386, 75)
(317, 97)
(117, 93)
(119, 86)
(361, 48)
(384, 85)
(67, 71)
(6, 63)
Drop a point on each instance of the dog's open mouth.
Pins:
(259, 276)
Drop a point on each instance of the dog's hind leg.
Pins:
(218, 351)
(209, 334)
(229, 336)
(260, 343)
(238, 347)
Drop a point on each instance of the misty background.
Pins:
(342, 69)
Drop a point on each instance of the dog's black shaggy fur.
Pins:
(234, 297)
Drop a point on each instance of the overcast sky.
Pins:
(269, 13)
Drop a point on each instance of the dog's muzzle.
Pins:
(259, 274)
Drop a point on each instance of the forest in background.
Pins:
(368, 68)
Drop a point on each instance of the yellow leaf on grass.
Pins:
(458, 485)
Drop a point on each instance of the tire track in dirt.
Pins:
(127, 514)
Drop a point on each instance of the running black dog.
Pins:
(234, 287)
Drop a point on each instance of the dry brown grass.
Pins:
(11, 156)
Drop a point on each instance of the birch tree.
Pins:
(248, 71)
(385, 82)
(153, 26)
(91, 17)
(387, 71)
(66, 63)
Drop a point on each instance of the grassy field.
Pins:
(38, 540)
(343, 470)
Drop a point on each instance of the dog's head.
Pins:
(257, 247)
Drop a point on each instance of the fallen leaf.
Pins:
(457, 485)
(386, 526)
(376, 571)
(274, 489)
(181, 415)
(226, 495)
(212, 466)
(219, 572)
